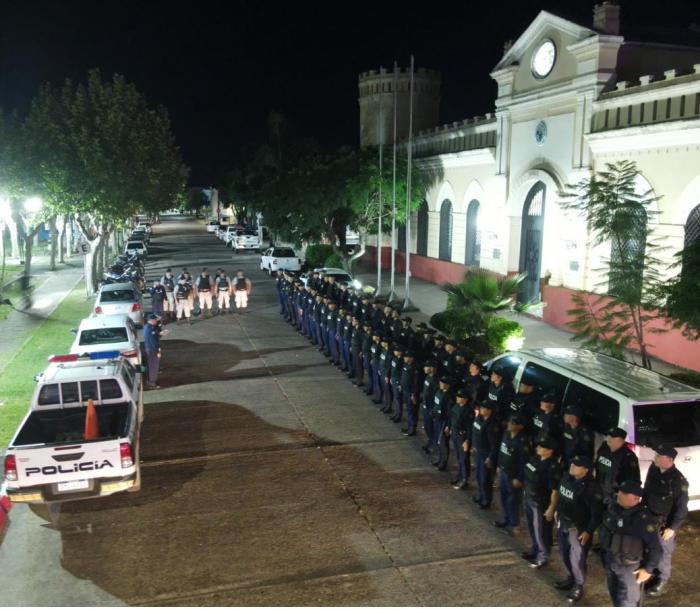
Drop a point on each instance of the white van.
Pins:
(652, 408)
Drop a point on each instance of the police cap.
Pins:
(631, 487)
(153, 316)
(408, 320)
(499, 371)
(367, 324)
(463, 392)
(422, 326)
(386, 339)
(440, 338)
(409, 353)
(399, 347)
(486, 404)
(365, 297)
(582, 461)
(574, 409)
(550, 397)
(518, 419)
(617, 432)
(461, 353)
(448, 380)
(666, 450)
(452, 342)
(548, 443)
(431, 363)
(429, 331)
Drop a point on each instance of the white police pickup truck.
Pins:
(49, 458)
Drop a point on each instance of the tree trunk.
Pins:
(54, 242)
(69, 235)
(14, 239)
(62, 240)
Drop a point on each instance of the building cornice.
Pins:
(669, 134)
(466, 158)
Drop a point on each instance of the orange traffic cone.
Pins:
(92, 425)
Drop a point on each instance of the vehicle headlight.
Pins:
(357, 284)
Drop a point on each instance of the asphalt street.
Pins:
(268, 479)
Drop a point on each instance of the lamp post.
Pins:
(407, 304)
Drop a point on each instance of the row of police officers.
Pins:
(541, 455)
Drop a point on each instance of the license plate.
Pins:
(73, 485)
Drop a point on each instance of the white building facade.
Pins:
(570, 99)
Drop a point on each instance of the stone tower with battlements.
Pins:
(376, 98)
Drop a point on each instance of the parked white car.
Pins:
(230, 233)
(279, 259)
(340, 275)
(212, 225)
(246, 239)
(137, 246)
(108, 333)
(120, 299)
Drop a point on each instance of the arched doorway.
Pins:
(422, 241)
(445, 249)
(531, 243)
(472, 254)
(692, 229)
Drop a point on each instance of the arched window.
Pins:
(422, 244)
(627, 255)
(401, 238)
(692, 231)
(472, 253)
(445, 250)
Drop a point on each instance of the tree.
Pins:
(100, 152)
(682, 292)
(196, 199)
(617, 212)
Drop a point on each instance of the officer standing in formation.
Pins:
(544, 456)
(168, 282)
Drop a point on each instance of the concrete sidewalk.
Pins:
(429, 298)
(50, 288)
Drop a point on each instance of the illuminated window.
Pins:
(422, 244)
(473, 249)
(445, 249)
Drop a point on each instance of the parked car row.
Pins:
(236, 236)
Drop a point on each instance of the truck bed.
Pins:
(67, 425)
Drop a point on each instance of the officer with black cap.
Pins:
(512, 457)
(395, 405)
(547, 421)
(542, 475)
(428, 391)
(478, 387)
(458, 429)
(442, 404)
(450, 360)
(438, 353)
(410, 391)
(526, 400)
(385, 357)
(405, 331)
(500, 394)
(615, 463)
(364, 376)
(580, 511)
(630, 542)
(423, 342)
(378, 318)
(356, 340)
(485, 439)
(577, 439)
(376, 383)
(461, 370)
(666, 497)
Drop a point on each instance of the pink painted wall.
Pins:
(429, 269)
(670, 346)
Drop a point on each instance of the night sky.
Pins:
(220, 67)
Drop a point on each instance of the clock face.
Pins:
(544, 58)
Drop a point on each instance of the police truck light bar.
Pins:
(75, 357)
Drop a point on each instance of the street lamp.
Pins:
(33, 205)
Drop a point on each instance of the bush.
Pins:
(454, 322)
(334, 261)
(500, 331)
(317, 254)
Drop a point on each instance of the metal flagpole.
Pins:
(392, 292)
(380, 133)
(407, 304)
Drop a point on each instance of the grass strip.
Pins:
(52, 337)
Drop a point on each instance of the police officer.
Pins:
(364, 376)
(485, 436)
(478, 388)
(410, 391)
(438, 353)
(395, 405)
(500, 394)
(442, 405)
(405, 331)
(223, 292)
(542, 474)
(158, 297)
(374, 386)
(168, 282)
(382, 393)
(615, 463)
(449, 360)
(242, 287)
(182, 300)
(331, 333)
(461, 370)
(429, 389)
(203, 291)
(525, 400)
(356, 340)
(547, 421)
(377, 316)
(458, 429)
(666, 496)
(279, 286)
(629, 538)
(577, 439)
(512, 457)
(151, 342)
(580, 511)
(423, 342)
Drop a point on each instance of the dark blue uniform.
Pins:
(541, 478)
(442, 404)
(461, 421)
(613, 468)
(580, 510)
(630, 541)
(511, 462)
(410, 383)
(485, 436)
(429, 389)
